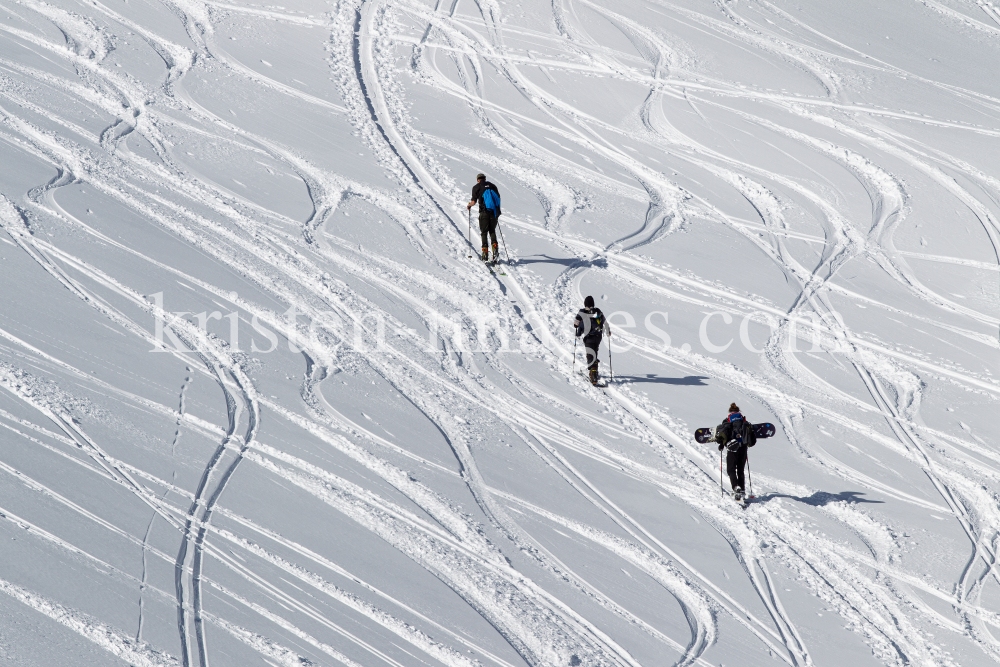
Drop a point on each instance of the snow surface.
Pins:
(261, 407)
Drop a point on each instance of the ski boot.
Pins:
(738, 494)
(496, 253)
(594, 377)
(486, 254)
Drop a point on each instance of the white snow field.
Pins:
(260, 406)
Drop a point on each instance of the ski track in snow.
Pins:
(507, 579)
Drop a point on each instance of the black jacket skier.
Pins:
(735, 434)
(590, 324)
(487, 216)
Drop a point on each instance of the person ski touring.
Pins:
(590, 325)
(734, 435)
(488, 197)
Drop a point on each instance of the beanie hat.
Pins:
(480, 177)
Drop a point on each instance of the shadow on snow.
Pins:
(598, 263)
(820, 498)
(695, 380)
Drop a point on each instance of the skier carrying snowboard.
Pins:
(488, 197)
(735, 434)
(590, 324)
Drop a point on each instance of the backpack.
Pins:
(596, 318)
(491, 200)
(741, 433)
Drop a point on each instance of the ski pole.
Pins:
(504, 241)
(722, 489)
(574, 354)
(749, 478)
(611, 368)
(470, 230)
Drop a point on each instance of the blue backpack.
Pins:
(491, 200)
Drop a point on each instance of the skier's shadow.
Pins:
(821, 498)
(599, 263)
(691, 380)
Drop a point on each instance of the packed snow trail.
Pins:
(380, 453)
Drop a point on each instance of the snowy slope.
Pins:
(261, 407)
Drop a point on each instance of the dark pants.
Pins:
(735, 463)
(591, 344)
(487, 225)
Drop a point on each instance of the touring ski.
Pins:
(600, 383)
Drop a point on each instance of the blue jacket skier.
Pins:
(487, 196)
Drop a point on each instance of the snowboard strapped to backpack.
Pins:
(707, 434)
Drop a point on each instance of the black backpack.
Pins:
(594, 327)
(740, 434)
